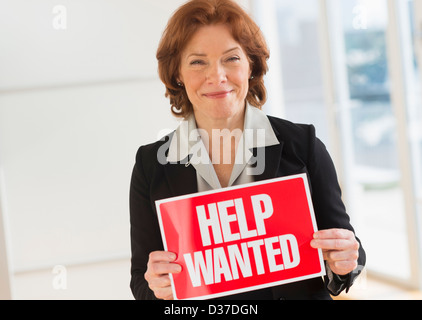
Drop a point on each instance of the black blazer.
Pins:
(299, 151)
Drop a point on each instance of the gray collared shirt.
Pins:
(187, 145)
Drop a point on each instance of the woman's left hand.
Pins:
(339, 248)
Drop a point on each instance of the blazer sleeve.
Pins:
(329, 207)
(144, 229)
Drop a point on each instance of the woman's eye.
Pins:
(197, 62)
(233, 59)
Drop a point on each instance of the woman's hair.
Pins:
(180, 29)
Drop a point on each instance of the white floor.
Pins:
(110, 281)
(96, 281)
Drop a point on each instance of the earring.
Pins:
(180, 84)
(251, 78)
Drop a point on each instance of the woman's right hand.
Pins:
(160, 264)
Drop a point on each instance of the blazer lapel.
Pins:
(181, 179)
(272, 161)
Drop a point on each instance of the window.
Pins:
(294, 40)
(350, 49)
(376, 197)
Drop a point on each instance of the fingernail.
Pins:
(172, 256)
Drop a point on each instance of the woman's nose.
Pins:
(216, 74)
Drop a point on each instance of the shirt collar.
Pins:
(258, 133)
(256, 122)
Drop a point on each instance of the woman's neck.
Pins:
(213, 127)
(221, 138)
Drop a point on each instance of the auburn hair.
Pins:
(180, 29)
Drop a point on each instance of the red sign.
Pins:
(241, 238)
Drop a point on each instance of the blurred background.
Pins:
(79, 93)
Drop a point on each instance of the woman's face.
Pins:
(215, 72)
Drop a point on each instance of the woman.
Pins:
(212, 59)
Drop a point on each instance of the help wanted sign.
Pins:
(241, 238)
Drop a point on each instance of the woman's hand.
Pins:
(157, 275)
(339, 248)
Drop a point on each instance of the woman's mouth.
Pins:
(218, 94)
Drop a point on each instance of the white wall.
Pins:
(75, 105)
(67, 156)
(104, 40)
